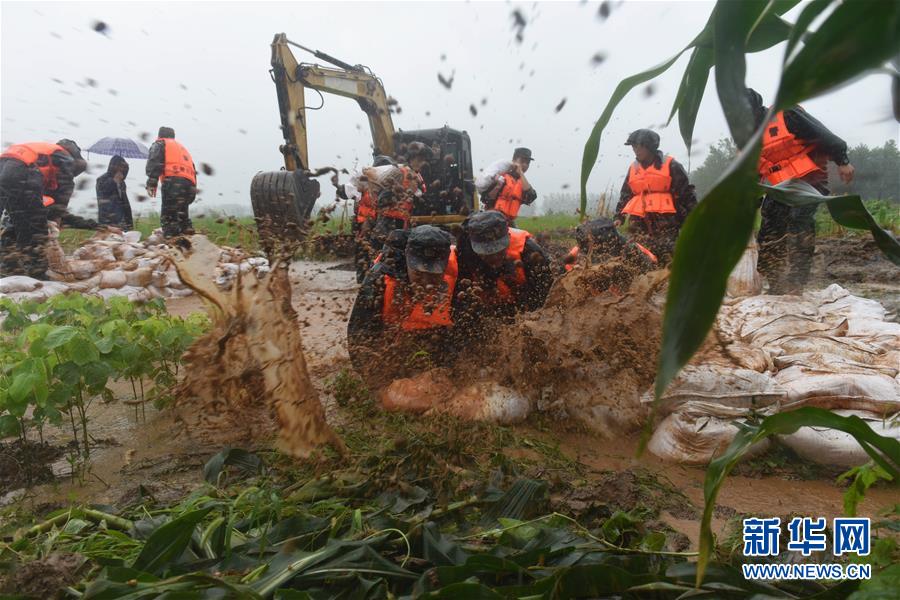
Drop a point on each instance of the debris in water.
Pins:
(91, 82)
(446, 82)
(560, 106)
(598, 59)
(649, 90)
(206, 168)
(100, 27)
(604, 10)
(473, 110)
(518, 26)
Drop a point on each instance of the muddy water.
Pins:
(145, 452)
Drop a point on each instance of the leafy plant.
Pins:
(60, 356)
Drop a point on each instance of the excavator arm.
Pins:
(351, 81)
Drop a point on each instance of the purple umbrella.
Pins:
(123, 147)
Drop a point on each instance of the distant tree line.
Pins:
(877, 170)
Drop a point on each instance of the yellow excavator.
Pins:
(283, 200)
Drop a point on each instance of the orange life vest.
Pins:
(414, 316)
(573, 256)
(784, 156)
(37, 154)
(509, 200)
(413, 185)
(505, 288)
(652, 189)
(365, 210)
(178, 162)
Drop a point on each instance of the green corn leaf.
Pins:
(847, 210)
(169, 541)
(884, 451)
(722, 221)
(832, 56)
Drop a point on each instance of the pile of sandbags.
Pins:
(827, 349)
(109, 265)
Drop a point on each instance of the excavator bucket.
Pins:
(282, 202)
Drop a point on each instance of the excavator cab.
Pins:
(283, 200)
(449, 179)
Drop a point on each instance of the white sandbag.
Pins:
(139, 277)
(146, 261)
(126, 252)
(82, 269)
(140, 295)
(695, 434)
(825, 362)
(383, 178)
(56, 256)
(53, 288)
(835, 300)
(873, 330)
(490, 174)
(875, 393)
(180, 293)
(99, 253)
(836, 448)
(18, 283)
(85, 285)
(159, 279)
(132, 237)
(157, 292)
(744, 279)
(790, 325)
(112, 279)
(156, 237)
(850, 348)
(38, 295)
(487, 401)
(730, 386)
(258, 261)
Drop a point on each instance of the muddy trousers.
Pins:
(364, 248)
(787, 241)
(24, 237)
(177, 195)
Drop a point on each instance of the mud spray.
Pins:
(247, 377)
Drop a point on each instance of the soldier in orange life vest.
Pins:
(36, 182)
(599, 242)
(502, 271)
(171, 163)
(656, 196)
(512, 189)
(395, 206)
(404, 304)
(365, 213)
(795, 146)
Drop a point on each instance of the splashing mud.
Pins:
(590, 332)
(248, 375)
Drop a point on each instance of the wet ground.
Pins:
(135, 452)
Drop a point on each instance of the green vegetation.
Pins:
(425, 507)
(59, 356)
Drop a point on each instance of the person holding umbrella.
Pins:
(113, 207)
(171, 163)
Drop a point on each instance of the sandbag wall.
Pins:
(110, 265)
(827, 349)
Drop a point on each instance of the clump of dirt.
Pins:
(590, 348)
(44, 578)
(247, 377)
(339, 245)
(850, 259)
(26, 463)
(626, 490)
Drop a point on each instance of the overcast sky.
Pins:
(227, 116)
